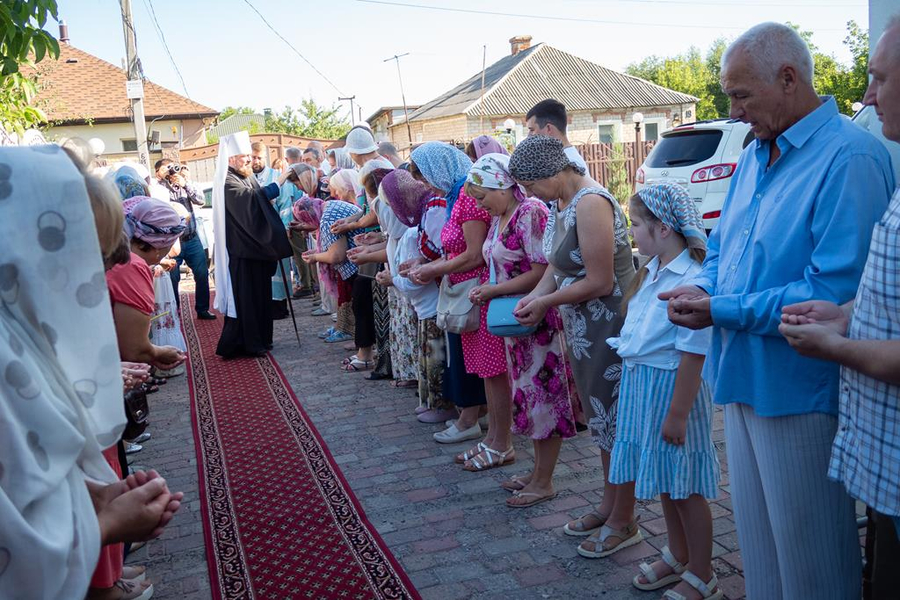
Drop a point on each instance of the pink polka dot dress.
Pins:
(483, 353)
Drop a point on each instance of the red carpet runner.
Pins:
(279, 519)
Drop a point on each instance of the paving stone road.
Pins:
(450, 529)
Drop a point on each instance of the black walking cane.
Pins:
(287, 290)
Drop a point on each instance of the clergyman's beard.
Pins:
(245, 171)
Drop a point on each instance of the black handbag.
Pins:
(137, 411)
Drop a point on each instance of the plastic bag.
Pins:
(165, 326)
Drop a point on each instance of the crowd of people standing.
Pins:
(505, 290)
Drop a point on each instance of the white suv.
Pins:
(701, 157)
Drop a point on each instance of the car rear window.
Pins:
(684, 148)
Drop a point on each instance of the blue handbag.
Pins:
(500, 318)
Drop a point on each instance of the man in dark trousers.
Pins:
(250, 240)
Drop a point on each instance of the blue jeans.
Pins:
(193, 254)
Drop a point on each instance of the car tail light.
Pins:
(713, 172)
(639, 176)
(712, 215)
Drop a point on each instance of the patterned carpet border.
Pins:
(230, 572)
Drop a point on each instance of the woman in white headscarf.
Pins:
(61, 393)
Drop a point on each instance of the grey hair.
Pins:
(292, 153)
(770, 47)
(315, 151)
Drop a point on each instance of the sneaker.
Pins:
(326, 333)
(141, 438)
(483, 421)
(452, 435)
(132, 448)
(319, 312)
(338, 336)
(436, 416)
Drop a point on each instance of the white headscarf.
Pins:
(229, 145)
(61, 386)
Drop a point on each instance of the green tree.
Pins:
(310, 120)
(235, 110)
(23, 42)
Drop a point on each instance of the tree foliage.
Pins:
(235, 110)
(697, 74)
(23, 42)
(310, 120)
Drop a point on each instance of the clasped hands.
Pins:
(134, 509)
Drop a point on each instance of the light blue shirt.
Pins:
(648, 337)
(798, 230)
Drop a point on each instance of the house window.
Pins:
(651, 132)
(129, 145)
(609, 132)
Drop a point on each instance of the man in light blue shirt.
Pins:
(796, 226)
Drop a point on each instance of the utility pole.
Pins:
(135, 84)
(352, 111)
(402, 94)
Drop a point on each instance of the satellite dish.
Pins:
(97, 146)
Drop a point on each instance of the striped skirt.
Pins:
(641, 455)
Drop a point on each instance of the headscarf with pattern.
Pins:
(130, 183)
(406, 196)
(444, 167)
(672, 205)
(308, 211)
(345, 179)
(540, 157)
(491, 171)
(485, 144)
(153, 221)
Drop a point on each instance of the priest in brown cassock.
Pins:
(250, 241)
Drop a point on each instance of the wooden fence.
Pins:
(202, 160)
(602, 158)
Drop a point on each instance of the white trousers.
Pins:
(796, 529)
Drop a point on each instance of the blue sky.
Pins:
(227, 55)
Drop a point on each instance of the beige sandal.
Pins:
(579, 528)
(609, 541)
(707, 590)
(654, 581)
(489, 458)
(516, 483)
(538, 498)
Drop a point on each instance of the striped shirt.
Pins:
(866, 452)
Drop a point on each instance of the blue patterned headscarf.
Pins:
(671, 204)
(444, 166)
(130, 184)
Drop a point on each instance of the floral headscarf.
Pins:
(152, 221)
(444, 167)
(308, 211)
(672, 205)
(540, 157)
(406, 196)
(485, 144)
(130, 184)
(491, 171)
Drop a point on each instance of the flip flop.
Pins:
(515, 483)
(358, 365)
(537, 499)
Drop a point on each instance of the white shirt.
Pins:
(424, 298)
(648, 337)
(575, 157)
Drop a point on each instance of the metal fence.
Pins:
(603, 158)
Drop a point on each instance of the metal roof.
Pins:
(514, 84)
(235, 123)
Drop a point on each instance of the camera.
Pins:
(174, 169)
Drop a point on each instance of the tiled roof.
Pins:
(81, 87)
(515, 83)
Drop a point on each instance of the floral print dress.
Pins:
(545, 402)
(596, 367)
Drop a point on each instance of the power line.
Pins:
(739, 3)
(297, 52)
(162, 38)
(568, 19)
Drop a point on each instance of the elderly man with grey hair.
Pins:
(796, 226)
(303, 274)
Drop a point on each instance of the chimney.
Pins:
(63, 32)
(519, 43)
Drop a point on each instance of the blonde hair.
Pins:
(106, 205)
(637, 206)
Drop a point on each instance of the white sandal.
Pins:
(477, 463)
(705, 589)
(655, 582)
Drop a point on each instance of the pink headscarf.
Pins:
(152, 221)
(485, 144)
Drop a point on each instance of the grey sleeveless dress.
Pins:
(596, 367)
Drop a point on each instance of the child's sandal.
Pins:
(655, 582)
(705, 589)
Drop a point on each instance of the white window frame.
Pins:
(660, 121)
(617, 128)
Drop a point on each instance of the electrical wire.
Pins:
(568, 19)
(162, 38)
(739, 3)
(297, 52)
